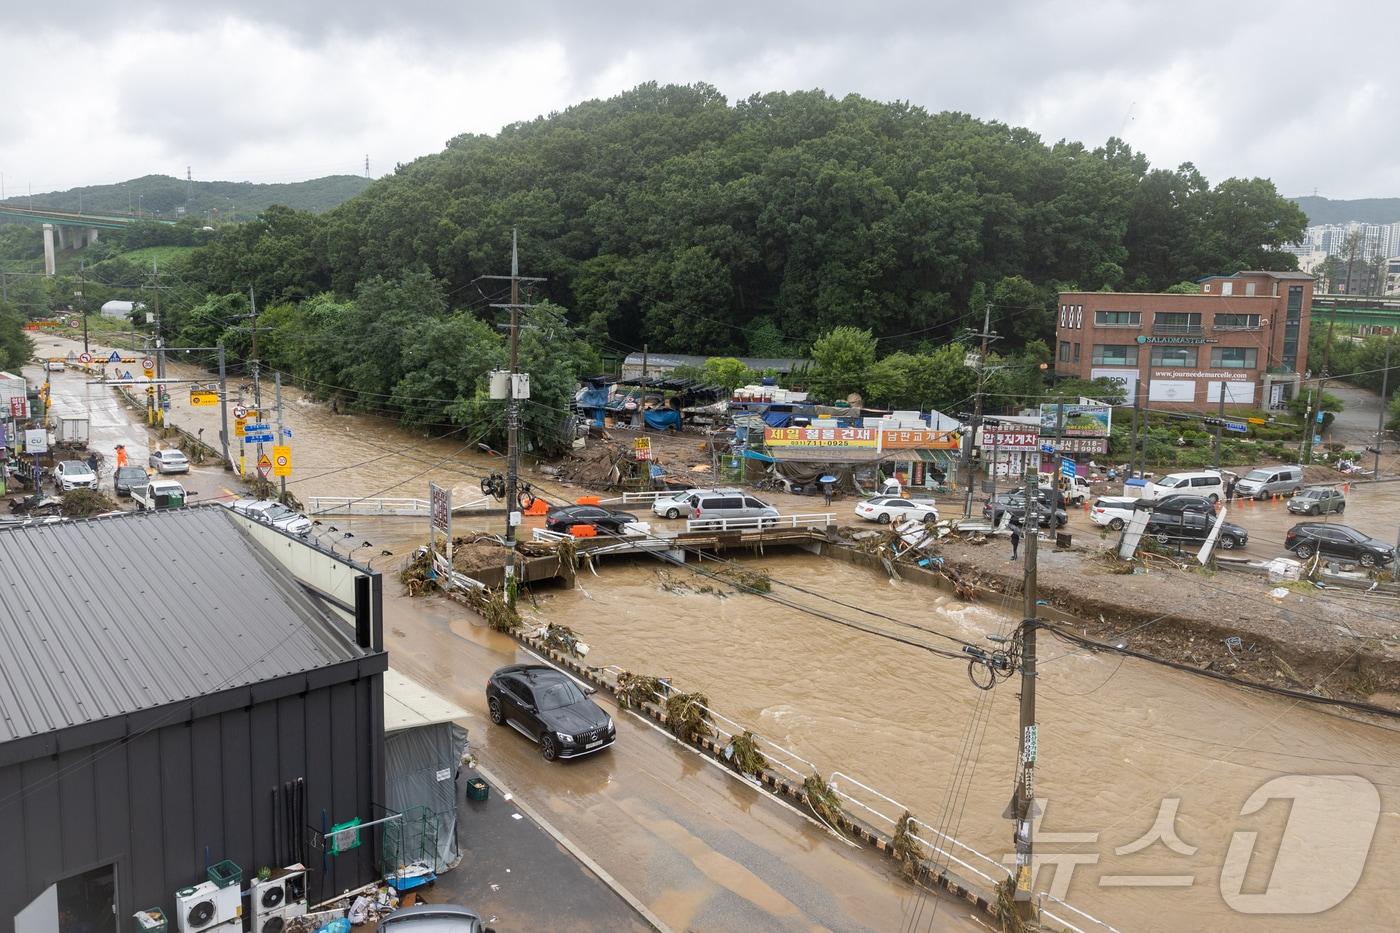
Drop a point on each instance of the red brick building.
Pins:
(1247, 332)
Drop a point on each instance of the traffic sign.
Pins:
(1047, 448)
(1257, 421)
(259, 438)
(84, 357)
(115, 357)
(287, 433)
(240, 411)
(149, 372)
(148, 363)
(1237, 427)
(1067, 467)
(203, 397)
(126, 375)
(264, 466)
(281, 461)
(257, 428)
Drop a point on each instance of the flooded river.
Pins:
(1117, 736)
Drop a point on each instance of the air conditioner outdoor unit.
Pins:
(278, 899)
(205, 906)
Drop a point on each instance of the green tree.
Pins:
(841, 362)
(728, 372)
(1183, 288)
(16, 347)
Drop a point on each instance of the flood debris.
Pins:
(906, 848)
(563, 639)
(493, 607)
(637, 689)
(688, 717)
(822, 799)
(742, 752)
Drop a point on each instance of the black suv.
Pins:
(1167, 527)
(548, 707)
(1015, 502)
(1338, 541)
(608, 521)
(1176, 505)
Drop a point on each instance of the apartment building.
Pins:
(1243, 335)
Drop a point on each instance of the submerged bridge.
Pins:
(74, 230)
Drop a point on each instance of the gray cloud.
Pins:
(268, 88)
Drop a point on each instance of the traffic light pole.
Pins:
(1023, 796)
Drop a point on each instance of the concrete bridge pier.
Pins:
(49, 260)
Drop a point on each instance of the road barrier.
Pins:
(813, 520)
(369, 505)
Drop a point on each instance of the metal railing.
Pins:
(813, 520)
(783, 759)
(650, 496)
(355, 505)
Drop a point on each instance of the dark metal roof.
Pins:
(104, 617)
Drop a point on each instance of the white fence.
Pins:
(784, 760)
(355, 505)
(813, 520)
(636, 497)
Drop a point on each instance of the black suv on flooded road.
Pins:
(1337, 541)
(548, 707)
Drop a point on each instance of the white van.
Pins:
(1207, 483)
(1270, 481)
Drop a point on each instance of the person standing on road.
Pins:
(1015, 540)
(1230, 489)
(121, 456)
(826, 494)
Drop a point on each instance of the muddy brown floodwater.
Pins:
(1116, 736)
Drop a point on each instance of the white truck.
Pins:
(159, 494)
(71, 430)
(1077, 490)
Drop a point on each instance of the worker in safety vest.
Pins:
(121, 456)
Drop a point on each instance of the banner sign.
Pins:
(821, 437)
(1079, 420)
(916, 439)
(1008, 439)
(919, 440)
(1082, 445)
(440, 508)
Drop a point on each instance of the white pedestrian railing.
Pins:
(633, 497)
(785, 760)
(814, 520)
(376, 505)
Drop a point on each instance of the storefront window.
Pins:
(1174, 356)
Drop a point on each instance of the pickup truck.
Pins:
(159, 494)
(1077, 491)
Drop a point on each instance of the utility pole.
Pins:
(253, 363)
(1305, 448)
(160, 350)
(1380, 421)
(82, 296)
(1220, 423)
(970, 469)
(645, 359)
(513, 412)
(281, 480)
(1023, 809)
(223, 405)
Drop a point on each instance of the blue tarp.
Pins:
(663, 419)
(593, 397)
(777, 419)
(755, 455)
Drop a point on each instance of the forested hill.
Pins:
(163, 195)
(668, 216)
(1361, 210)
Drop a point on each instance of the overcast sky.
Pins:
(283, 90)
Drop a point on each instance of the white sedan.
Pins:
(169, 460)
(884, 509)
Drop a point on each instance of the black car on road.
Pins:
(1177, 504)
(128, 478)
(605, 520)
(548, 707)
(1015, 502)
(1173, 527)
(1339, 541)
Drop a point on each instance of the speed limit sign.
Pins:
(148, 363)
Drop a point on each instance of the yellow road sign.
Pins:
(264, 466)
(281, 460)
(238, 425)
(1257, 420)
(198, 397)
(149, 373)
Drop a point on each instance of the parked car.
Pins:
(729, 505)
(128, 478)
(1270, 481)
(1016, 503)
(605, 520)
(168, 460)
(677, 504)
(1178, 504)
(1177, 527)
(54, 366)
(1112, 511)
(1318, 499)
(1207, 483)
(273, 513)
(433, 918)
(1339, 541)
(74, 474)
(160, 494)
(548, 707)
(884, 509)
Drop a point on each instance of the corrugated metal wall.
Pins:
(158, 802)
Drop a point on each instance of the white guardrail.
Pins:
(628, 498)
(787, 761)
(355, 505)
(814, 520)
